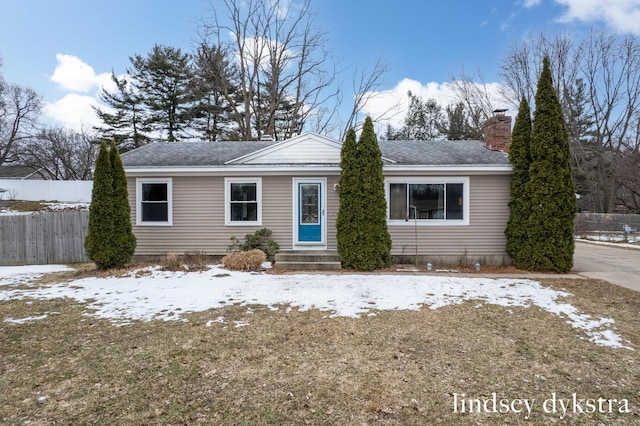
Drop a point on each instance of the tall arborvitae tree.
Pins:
(349, 217)
(375, 241)
(551, 188)
(123, 240)
(519, 206)
(98, 242)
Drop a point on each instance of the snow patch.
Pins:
(152, 294)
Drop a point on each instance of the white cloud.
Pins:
(622, 16)
(73, 111)
(531, 3)
(390, 106)
(74, 75)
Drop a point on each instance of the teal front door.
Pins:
(310, 212)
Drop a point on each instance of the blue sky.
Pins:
(65, 49)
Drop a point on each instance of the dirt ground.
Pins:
(444, 366)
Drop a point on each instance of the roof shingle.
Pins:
(202, 154)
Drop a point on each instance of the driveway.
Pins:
(617, 265)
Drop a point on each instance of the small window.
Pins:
(243, 201)
(425, 200)
(154, 202)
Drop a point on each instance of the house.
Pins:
(447, 201)
(24, 173)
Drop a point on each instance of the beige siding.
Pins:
(198, 216)
(333, 202)
(198, 221)
(482, 240)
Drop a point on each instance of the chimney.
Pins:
(497, 131)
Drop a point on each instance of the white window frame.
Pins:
(227, 200)
(169, 183)
(464, 180)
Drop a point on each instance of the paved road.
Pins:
(616, 265)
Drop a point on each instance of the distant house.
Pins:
(24, 173)
(447, 199)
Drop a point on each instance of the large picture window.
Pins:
(153, 202)
(243, 201)
(428, 200)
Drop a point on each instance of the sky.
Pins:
(66, 49)
(153, 294)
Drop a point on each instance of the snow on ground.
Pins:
(56, 207)
(9, 212)
(150, 293)
(607, 242)
(25, 274)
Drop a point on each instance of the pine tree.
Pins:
(375, 240)
(128, 123)
(123, 240)
(349, 213)
(98, 242)
(164, 79)
(519, 206)
(551, 188)
(424, 119)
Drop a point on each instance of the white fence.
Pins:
(70, 191)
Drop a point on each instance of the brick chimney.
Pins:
(497, 131)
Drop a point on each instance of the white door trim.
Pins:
(322, 244)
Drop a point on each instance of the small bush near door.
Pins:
(261, 240)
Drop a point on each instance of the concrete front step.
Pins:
(308, 266)
(307, 260)
(308, 256)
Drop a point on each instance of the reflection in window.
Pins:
(309, 203)
(155, 202)
(244, 202)
(426, 201)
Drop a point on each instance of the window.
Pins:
(153, 198)
(243, 201)
(428, 200)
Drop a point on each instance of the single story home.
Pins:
(447, 201)
(24, 173)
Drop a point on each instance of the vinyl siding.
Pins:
(482, 240)
(198, 221)
(198, 216)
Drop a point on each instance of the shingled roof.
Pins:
(16, 172)
(202, 154)
(442, 153)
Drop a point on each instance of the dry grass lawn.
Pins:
(394, 368)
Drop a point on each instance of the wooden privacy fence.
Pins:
(43, 238)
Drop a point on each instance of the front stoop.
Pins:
(315, 260)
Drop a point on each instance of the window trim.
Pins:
(464, 180)
(169, 183)
(227, 200)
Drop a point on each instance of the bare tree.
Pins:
(523, 63)
(611, 69)
(476, 99)
(282, 72)
(365, 83)
(19, 111)
(65, 154)
(598, 82)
